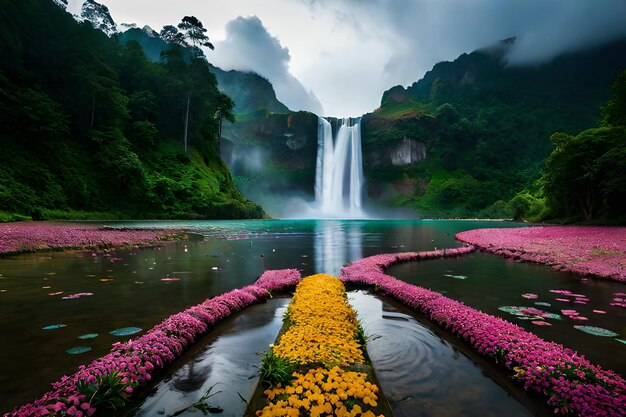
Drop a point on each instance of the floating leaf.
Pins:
(542, 303)
(564, 300)
(517, 311)
(596, 331)
(599, 311)
(88, 336)
(581, 318)
(455, 276)
(541, 323)
(78, 295)
(570, 312)
(78, 349)
(56, 293)
(53, 326)
(563, 292)
(532, 311)
(170, 279)
(125, 331)
(621, 341)
(530, 296)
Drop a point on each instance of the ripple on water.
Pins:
(423, 375)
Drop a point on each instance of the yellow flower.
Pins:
(321, 337)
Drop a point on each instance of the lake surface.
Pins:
(417, 368)
(129, 291)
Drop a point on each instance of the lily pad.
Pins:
(516, 311)
(78, 349)
(621, 341)
(125, 331)
(88, 336)
(596, 331)
(455, 276)
(54, 326)
(541, 323)
(530, 296)
(542, 303)
(563, 292)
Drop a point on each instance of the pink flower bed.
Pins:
(599, 251)
(28, 237)
(134, 362)
(571, 383)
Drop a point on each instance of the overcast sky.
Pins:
(336, 57)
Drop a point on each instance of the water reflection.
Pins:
(423, 375)
(226, 362)
(234, 254)
(336, 243)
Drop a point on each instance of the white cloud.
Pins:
(249, 47)
(349, 51)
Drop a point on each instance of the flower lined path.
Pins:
(34, 236)
(598, 251)
(325, 371)
(570, 383)
(132, 364)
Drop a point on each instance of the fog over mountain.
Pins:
(347, 52)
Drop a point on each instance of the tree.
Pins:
(193, 31)
(225, 106)
(614, 111)
(170, 34)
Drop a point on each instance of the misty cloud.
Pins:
(249, 47)
(424, 32)
(350, 51)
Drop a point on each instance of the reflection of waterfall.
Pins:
(336, 243)
(339, 170)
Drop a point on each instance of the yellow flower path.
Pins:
(321, 338)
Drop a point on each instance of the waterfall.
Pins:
(339, 169)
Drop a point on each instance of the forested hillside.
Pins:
(91, 125)
(484, 127)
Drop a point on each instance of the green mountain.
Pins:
(249, 91)
(92, 125)
(470, 134)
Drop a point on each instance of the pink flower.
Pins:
(597, 251)
(161, 345)
(570, 382)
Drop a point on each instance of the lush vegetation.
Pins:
(486, 127)
(585, 176)
(91, 125)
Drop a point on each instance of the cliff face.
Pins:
(272, 156)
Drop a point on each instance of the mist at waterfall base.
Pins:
(338, 188)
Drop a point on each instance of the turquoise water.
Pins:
(129, 291)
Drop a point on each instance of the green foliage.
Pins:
(12, 217)
(486, 126)
(276, 369)
(527, 206)
(585, 176)
(614, 111)
(202, 404)
(108, 394)
(86, 119)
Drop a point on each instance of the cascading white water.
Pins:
(339, 169)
